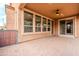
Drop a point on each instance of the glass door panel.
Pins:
(69, 27)
(66, 27)
(52, 27)
(62, 27)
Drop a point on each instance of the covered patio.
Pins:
(37, 20)
(48, 46)
(42, 29)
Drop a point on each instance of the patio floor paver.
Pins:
(48, 46)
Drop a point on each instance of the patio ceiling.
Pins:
(48, 9)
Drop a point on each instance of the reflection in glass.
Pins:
(62, 27)
(38, 23)
(28, 22)
(66, 27)
(48, 25)
(44, 24)
(69, 27)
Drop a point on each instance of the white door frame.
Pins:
(73, 18)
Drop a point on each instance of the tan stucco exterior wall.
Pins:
(15, 22)
(56, 27)
(20, 36)
(10, 18)
(27, 36)
(77, 26)
(34, 36)
(13, 19)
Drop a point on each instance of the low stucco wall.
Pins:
(27, 37)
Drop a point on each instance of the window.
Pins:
(52, 23)
(28, 22)
(44, 24)
(48, 25)
(37, 23)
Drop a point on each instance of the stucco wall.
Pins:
(27, 36)
(16, 23)
(55, 28)
(20, 23)
(77, 26)
(10, 18)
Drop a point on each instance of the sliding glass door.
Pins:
(62, 27)
(69, 27)
(66, 27)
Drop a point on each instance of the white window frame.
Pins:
(74, 25)
(34, 13)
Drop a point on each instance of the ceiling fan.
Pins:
(58, 12)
